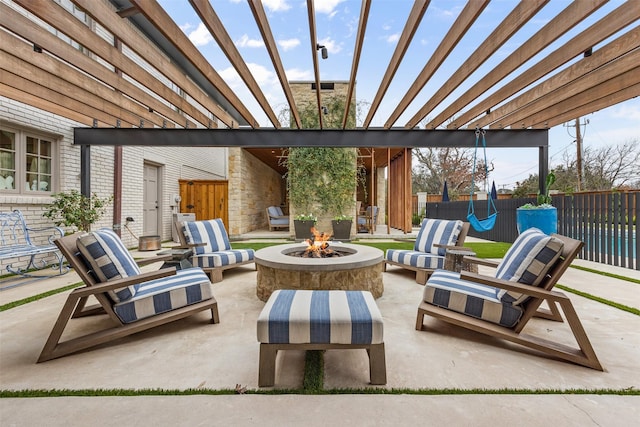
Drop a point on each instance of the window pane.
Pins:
(32, 145)
(45, 165)
(45, 148)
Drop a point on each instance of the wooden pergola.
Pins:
(92, 66)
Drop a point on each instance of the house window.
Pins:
(26, 162)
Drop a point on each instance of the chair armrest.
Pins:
(481, 261)
(127, 281)
(507, 285)
(279, 216)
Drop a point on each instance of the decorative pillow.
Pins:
(527, 261)
(437, 232)
(109, 259)
(211, 232)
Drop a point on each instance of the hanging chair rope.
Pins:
(488, 223)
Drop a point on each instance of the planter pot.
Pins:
(303, 228)
(544, 219)
(342, 229)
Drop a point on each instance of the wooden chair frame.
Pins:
(558, 304)
(75, 306)
(273, 227)
(422, 274)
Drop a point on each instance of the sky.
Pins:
(336, 26)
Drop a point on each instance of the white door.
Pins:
(150, 200)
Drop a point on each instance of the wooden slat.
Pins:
(42, 104)
(415, 17)
(210, 19)
(52, 69)
(618, 47)
(64, 102)
(519, 16)
(40, 77)
(22, 26)
(613, 22)
(362, 28)
(103, 14)
(547, 104)
(263, 25)
(314, 55)
(612, 99)
(559, 25)
(469, 14)
(56, 16)
(159, 18)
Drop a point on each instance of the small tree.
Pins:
(73, 209)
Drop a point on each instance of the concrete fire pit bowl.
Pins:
(359, 269)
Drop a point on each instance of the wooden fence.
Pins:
(604, 221)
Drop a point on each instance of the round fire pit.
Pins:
(360, 268)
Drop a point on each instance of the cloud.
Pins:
(627, 112)
(288, 44)
(331, 45)
(200, 36)
(276, 5)
(245, 41)
(393, 38)
(327, 6)
(296, 74)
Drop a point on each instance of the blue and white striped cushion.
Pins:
(446, 289)
(415, 259)
(211, 232)
(437, 232)
(320, 317)
(223, 258)
(109, 259)
(527, 261)
(188, 286)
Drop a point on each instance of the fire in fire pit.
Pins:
(318, 246)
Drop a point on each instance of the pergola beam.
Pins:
(282, 138)
(357, 51)
(263, 25)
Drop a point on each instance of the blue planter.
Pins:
(544, 219)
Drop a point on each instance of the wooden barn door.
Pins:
(206, 199)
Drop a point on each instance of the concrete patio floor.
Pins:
(192, 354)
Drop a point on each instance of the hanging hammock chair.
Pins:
(487, 223)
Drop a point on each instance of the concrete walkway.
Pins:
(192, 354)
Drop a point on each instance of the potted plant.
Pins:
(342, 227)
(74, 209)
(302, 225)
(541, 215)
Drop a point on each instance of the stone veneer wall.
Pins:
(253, 186)
(381, 199)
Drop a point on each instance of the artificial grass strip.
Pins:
(610, 303)
(604, 273)
(313, 372)
(39, 393)
(37, 297)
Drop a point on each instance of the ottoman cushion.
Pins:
(320, 317)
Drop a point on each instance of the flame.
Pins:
(319, 241)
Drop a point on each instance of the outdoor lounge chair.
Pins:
(134, 300)
(277, 218)
(502, 306)
(212, 249)
(433, 240)
(367, 222)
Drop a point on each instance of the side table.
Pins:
(179, 258)
(454, 260)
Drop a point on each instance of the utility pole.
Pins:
(579, 150)
(579, 153)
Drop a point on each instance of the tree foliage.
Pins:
(451, 164)
(74, 209)
(604, 168)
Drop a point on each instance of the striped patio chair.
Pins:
(212, 249)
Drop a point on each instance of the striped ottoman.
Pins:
(320, 320)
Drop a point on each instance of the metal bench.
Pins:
(16, 241)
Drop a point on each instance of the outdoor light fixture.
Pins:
(323, 49)
(325, 110)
